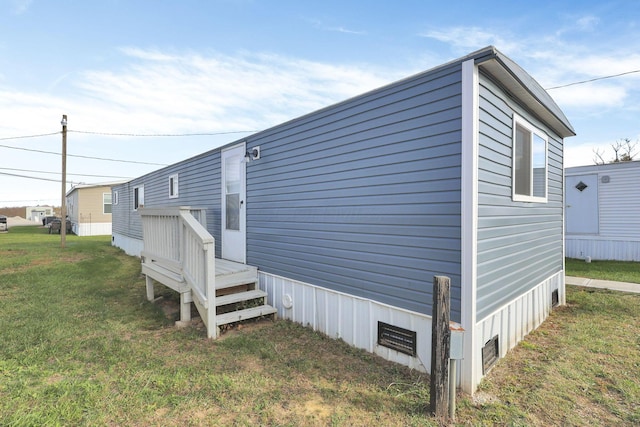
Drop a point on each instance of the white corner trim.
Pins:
(469, 219)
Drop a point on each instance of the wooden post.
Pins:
(63, 202)
(440, 342)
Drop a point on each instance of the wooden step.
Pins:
(230, 273)
(239, 297)
(249, 313)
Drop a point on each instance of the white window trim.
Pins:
(519, 121)
(173, 179)
(140, 189)
(114, 200)
(103, 204)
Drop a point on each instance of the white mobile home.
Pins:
(347, 213)
(603, 211)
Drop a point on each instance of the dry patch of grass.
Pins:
(84, 347)
(581, 367)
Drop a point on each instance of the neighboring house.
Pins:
(38, 213)
(349, 212)
(603, 211)
(89, 209)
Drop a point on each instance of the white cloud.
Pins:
(579, 154)
(471, 38)
(160, 92)
(590, 95)
(163, 92)
(20, 6)
(587, 23)
(338, 29)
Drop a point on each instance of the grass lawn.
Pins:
(80, 345)
(620, 271)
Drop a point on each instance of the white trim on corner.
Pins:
(469, 219)
(563, 292)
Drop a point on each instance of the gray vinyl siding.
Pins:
(124, 221)
(519, 244)
(198, 187)
(364, 197)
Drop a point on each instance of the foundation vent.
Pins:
(555, 300)
(490, 354)
(396, 338)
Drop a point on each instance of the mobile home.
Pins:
(603, 211)
(89, 209)
(348, 212)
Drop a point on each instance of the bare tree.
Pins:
(598, 158)
(624, 151)
(629, 150)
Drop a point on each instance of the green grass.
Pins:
(619, 271)
(80, 345)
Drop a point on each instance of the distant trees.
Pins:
(624, 151)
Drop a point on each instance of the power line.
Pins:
(83, 157)
(593, 80)
(112, 134)
(33, 177)
(22, 201)
(28, 136)
(161, 134)
(58, 173)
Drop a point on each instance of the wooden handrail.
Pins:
(174, 239)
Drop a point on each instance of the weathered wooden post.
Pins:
(440, 342)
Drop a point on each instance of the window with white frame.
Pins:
(106, 203)
(530, 153)
(138, 197)
(173, 186)
(115, 198)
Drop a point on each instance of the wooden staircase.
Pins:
(180, 253)
(237, 295)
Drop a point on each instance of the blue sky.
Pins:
(185, 67)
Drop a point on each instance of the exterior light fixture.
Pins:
(252, 154)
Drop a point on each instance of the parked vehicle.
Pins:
(56, 225)
(47, 220)
(3, 223)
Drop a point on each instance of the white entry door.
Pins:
(581, 214)
(233, 204)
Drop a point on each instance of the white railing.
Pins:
(179, 252)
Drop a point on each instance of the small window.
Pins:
(530, 147)
(115, 197)
(138, 197)
(173, 186)
(106, 203)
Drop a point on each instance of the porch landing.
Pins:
(237, 297)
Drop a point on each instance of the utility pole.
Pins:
(63, 205)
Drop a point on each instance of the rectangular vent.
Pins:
(490, 354)
(555, 300)
(396, 338)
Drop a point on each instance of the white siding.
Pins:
(620, 203)
(513, 321)
(596, 247)
(348, 317)
(618, 209)
(92, 229)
